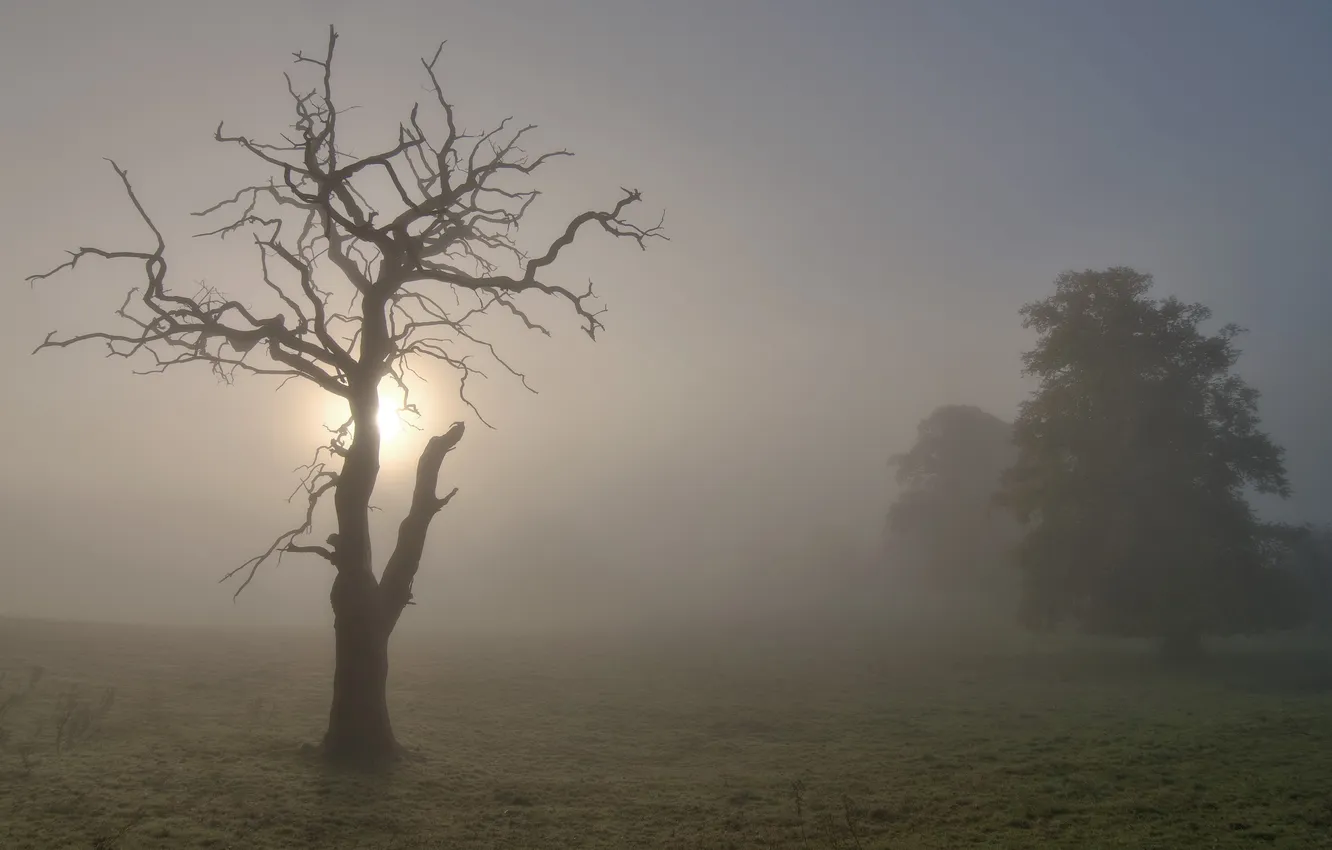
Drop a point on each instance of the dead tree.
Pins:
(414, 275)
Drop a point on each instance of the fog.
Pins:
(859, 197)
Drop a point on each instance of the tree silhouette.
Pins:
(435, 251)
(1135, 457)
(944, 529)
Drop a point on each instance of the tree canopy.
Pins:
(1136, 456)
(944, 530)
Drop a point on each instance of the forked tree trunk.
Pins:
(366, 610)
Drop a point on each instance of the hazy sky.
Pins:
(860, 195)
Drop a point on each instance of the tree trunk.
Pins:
(359, 731)
(365, 611)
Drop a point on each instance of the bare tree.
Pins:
(415, 276)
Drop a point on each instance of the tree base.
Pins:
(360, 755)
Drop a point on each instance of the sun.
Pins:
(393, 422)
(389, 418)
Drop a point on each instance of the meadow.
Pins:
(196, 738)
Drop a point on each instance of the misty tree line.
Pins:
(1118, 502)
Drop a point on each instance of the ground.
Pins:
(711, 741)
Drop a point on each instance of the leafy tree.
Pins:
(1304, 554)
(417, 267)
(1135, 455)
(943, 529)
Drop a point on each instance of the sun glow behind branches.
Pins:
(395, 424)
(390, 421)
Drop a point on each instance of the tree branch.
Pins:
(400, 572)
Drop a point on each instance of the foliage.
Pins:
(1305, 554)
(943, 528)
(1136, 454)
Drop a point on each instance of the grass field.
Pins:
(714, 741)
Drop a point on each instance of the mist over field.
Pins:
(897, 424)
(858, 203)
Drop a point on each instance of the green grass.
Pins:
(887, 741)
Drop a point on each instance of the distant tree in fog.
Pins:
(1136, 454)
(367, 269)
(1306, 553)
(944, 529)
